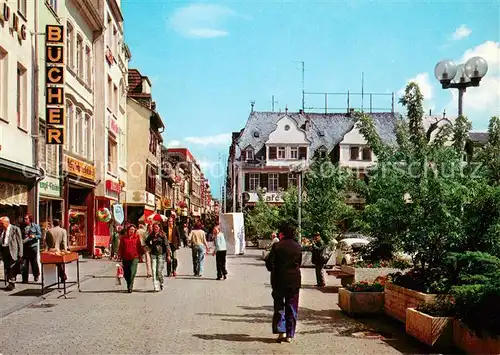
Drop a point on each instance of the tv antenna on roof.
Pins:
(273, 102)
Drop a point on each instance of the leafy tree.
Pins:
(289, 211)
(262, 220)
(325, 209)
(489, 156)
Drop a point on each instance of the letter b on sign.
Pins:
(54, 34)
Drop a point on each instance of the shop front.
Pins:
(140, 205)
(17, 190)
(51, 203)
(78, 190)
(104, 218)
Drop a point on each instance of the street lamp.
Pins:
(461, 76)
(300, 169)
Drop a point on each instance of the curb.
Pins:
(51, 293)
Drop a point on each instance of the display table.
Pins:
(60, 259)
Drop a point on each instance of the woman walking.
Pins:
(284, 264)
(130, 250)
(158, 246)
(199, 247)
(220, 253)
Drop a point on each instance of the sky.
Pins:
(208, 60)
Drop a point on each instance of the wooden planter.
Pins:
(471, 344)
(398, 299)
(366, 273)
(433, 331)
(358, 303)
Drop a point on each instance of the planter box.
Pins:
(398, 299)
(368, 274)
(471, 344)
(433, 331)
(358, 303)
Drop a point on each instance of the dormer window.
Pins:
(281, 153)
(256, 134)
(249, 154)
(294, 153)
(322, 152)
(366, 154)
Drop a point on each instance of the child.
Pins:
(119, 274)
(220, 253)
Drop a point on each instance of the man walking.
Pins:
(57, 240)
(174, 240)
(317, 259)
(12, 251)
(31, 236)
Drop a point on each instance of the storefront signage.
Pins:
(149, 198)
(118, 213)
(6, 15)
(13, 194)
(113, 186)
(113, 126)
(50, 186)
(272, 197)
(80, 168)
(54, 78)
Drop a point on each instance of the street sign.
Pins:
(118, 213)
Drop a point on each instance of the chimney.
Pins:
(430, 112)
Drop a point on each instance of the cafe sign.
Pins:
(80, 168)
(54, 78)
(50, 186)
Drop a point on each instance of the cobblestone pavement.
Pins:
(195, 316)
(26, 294)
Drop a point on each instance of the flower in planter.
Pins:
(365, 286)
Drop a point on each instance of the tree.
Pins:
(289, 211)
(324, 207)
(489, 156)
(262, 220)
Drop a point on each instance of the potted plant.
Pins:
(432, 323)
(362, 298)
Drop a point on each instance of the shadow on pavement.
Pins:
(195, 278)
(104, 291)
(337, 323)
(29, 292)
(234, 338)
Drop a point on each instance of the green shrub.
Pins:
(365, 286)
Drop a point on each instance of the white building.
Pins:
(17, 126)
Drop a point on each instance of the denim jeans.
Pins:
(198, 252)
(157, 265)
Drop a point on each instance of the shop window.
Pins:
(22, 7)
(69, 44)
(22, 100)
(112, 156)
(4, 69)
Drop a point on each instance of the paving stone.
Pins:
(193, 316)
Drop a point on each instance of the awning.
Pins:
(27, 171)
(13, 194)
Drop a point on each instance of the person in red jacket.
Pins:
(129, 252)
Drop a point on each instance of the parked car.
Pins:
(348, 250)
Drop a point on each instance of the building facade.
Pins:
(268, 153)
(144, 128)
(111, 72)
(18, 175)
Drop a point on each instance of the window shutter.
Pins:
(247, 182)
(302, 153)
(263, 181)
(283, 181)
(273, 153)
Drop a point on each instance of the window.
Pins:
(112, 156)
(153, 142)
(3, 83)
(90, 138)
(22, 99)
(151, 172)
(367, 154)
(88, 70)
(302, 153)
(292, 179)
(21, 7)
(254, 182)
(294, 153)
(249, 154)
(322, 153)
(70, 120)
(79, 56)
(48, 154)
(273, 182)
(115, 100)
(85, 138)
(78, 132)
(69, 45)
(121, 94)
(354, 153)
(115, 41)
(123, 149)
(52, 4)
(281, 153)
(110, 94)
(109, 32)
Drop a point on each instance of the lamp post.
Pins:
(300, 169)
(462, 76)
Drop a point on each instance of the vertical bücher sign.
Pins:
(54, 78)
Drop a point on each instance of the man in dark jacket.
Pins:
(12, 251)
(317, 259)
(31, 236)
(284, 262)
(174, 240)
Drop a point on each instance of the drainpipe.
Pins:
(36, 124)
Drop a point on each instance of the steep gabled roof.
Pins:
(479, 137)
(324, 130)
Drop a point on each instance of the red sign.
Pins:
(113, 126)
(113, 186)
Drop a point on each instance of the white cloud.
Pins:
(173, 144)
(219, 139)
(201, 20)
(490, 51)
(461, 32)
